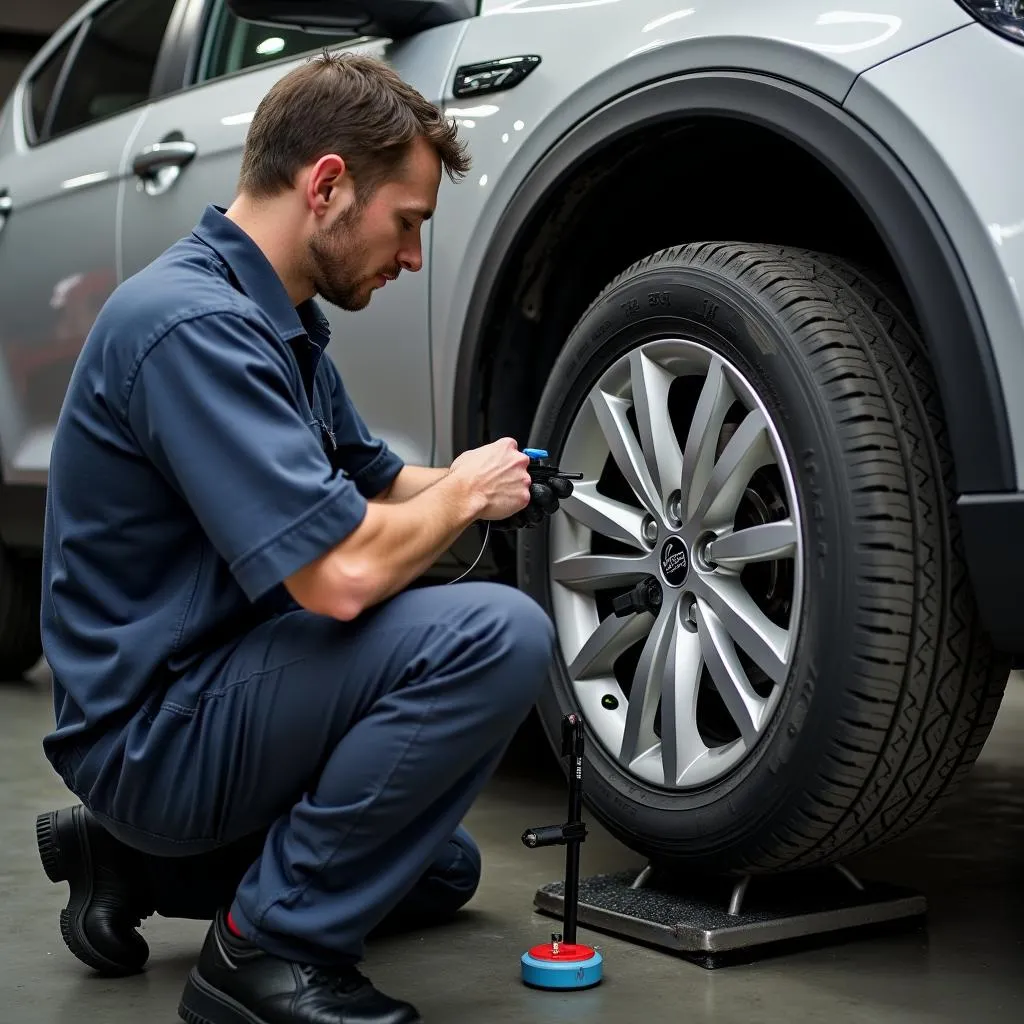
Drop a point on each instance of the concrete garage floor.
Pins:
(966, 966)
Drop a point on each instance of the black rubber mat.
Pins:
(691, 916)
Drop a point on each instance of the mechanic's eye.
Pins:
(406, 226)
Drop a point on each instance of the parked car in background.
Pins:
(754, 269)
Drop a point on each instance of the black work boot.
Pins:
(236, 982)
(107, 901)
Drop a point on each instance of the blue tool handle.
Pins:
(535, 453)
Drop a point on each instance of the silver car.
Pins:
(754, 269)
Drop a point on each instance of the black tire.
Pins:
(894, 685)
(20, 590)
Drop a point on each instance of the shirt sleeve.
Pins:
(213, 406)
(372, 465)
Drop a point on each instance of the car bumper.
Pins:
(993, 530)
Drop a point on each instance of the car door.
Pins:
(61, 165)
(188, 152)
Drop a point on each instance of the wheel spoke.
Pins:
(658, 727)
(650, 383)
(638, 736)
(681, 745)
(755, 544)
(747, 451)
(730, 679)
(606, 516)
(760, 638)
(625, 449)
(702, 440)
(613, 637)
(588, 573)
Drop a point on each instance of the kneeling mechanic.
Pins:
(266, 726)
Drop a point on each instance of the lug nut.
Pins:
(650, 530)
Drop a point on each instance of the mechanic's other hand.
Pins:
(544, 501)
(499, 473)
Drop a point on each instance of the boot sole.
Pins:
(203, 1004)
(57, 832)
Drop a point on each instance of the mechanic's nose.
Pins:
(411, 259)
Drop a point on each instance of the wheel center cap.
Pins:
(675, 563)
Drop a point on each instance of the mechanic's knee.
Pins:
(523, 636)
(462, 872)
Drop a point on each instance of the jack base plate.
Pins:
(717, 921)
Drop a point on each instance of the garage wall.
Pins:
(10, 68)
(24, 26)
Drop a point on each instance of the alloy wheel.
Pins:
(677, 566)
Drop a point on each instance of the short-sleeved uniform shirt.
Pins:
(206, 450)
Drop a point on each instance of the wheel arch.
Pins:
(909, 228)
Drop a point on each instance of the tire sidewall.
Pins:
(708, 307)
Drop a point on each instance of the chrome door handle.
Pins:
(160, 155)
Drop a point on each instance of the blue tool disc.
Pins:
(568, 974)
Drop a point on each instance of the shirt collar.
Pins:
(257, 278)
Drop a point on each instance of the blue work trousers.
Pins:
(330, 764)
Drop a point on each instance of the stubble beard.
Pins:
(336, 258)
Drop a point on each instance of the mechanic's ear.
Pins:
(329, 187)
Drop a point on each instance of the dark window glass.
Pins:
(41, 87)
(113, 69)
(234, 45)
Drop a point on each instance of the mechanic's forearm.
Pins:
(393, 545)
(411, 480)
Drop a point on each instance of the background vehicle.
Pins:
(753, 268)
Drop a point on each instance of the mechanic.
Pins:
(267, 726)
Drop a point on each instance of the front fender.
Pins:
(627, 45)
(906, 222)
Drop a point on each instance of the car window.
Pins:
(113, 68)
(233, 45)
(42, 86)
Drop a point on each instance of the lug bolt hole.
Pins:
(675, 508)
(609, 702)
(702, 552)
(689, 613)
(650, 530)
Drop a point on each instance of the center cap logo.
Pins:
(674, 563)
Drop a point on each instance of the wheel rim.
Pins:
(686, 482)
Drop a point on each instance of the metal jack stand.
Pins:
(563, 963)
(717, 920)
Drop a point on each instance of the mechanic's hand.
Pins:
(499, 473)
(544, 499)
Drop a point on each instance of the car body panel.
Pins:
(632, 44)
(950, 113)
(58, 257)
(412, 332)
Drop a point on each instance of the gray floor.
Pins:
(966, 966)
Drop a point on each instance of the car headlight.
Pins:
(1003, 16)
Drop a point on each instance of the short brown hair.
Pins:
(349, 104)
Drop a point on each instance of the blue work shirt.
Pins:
(189, 477)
